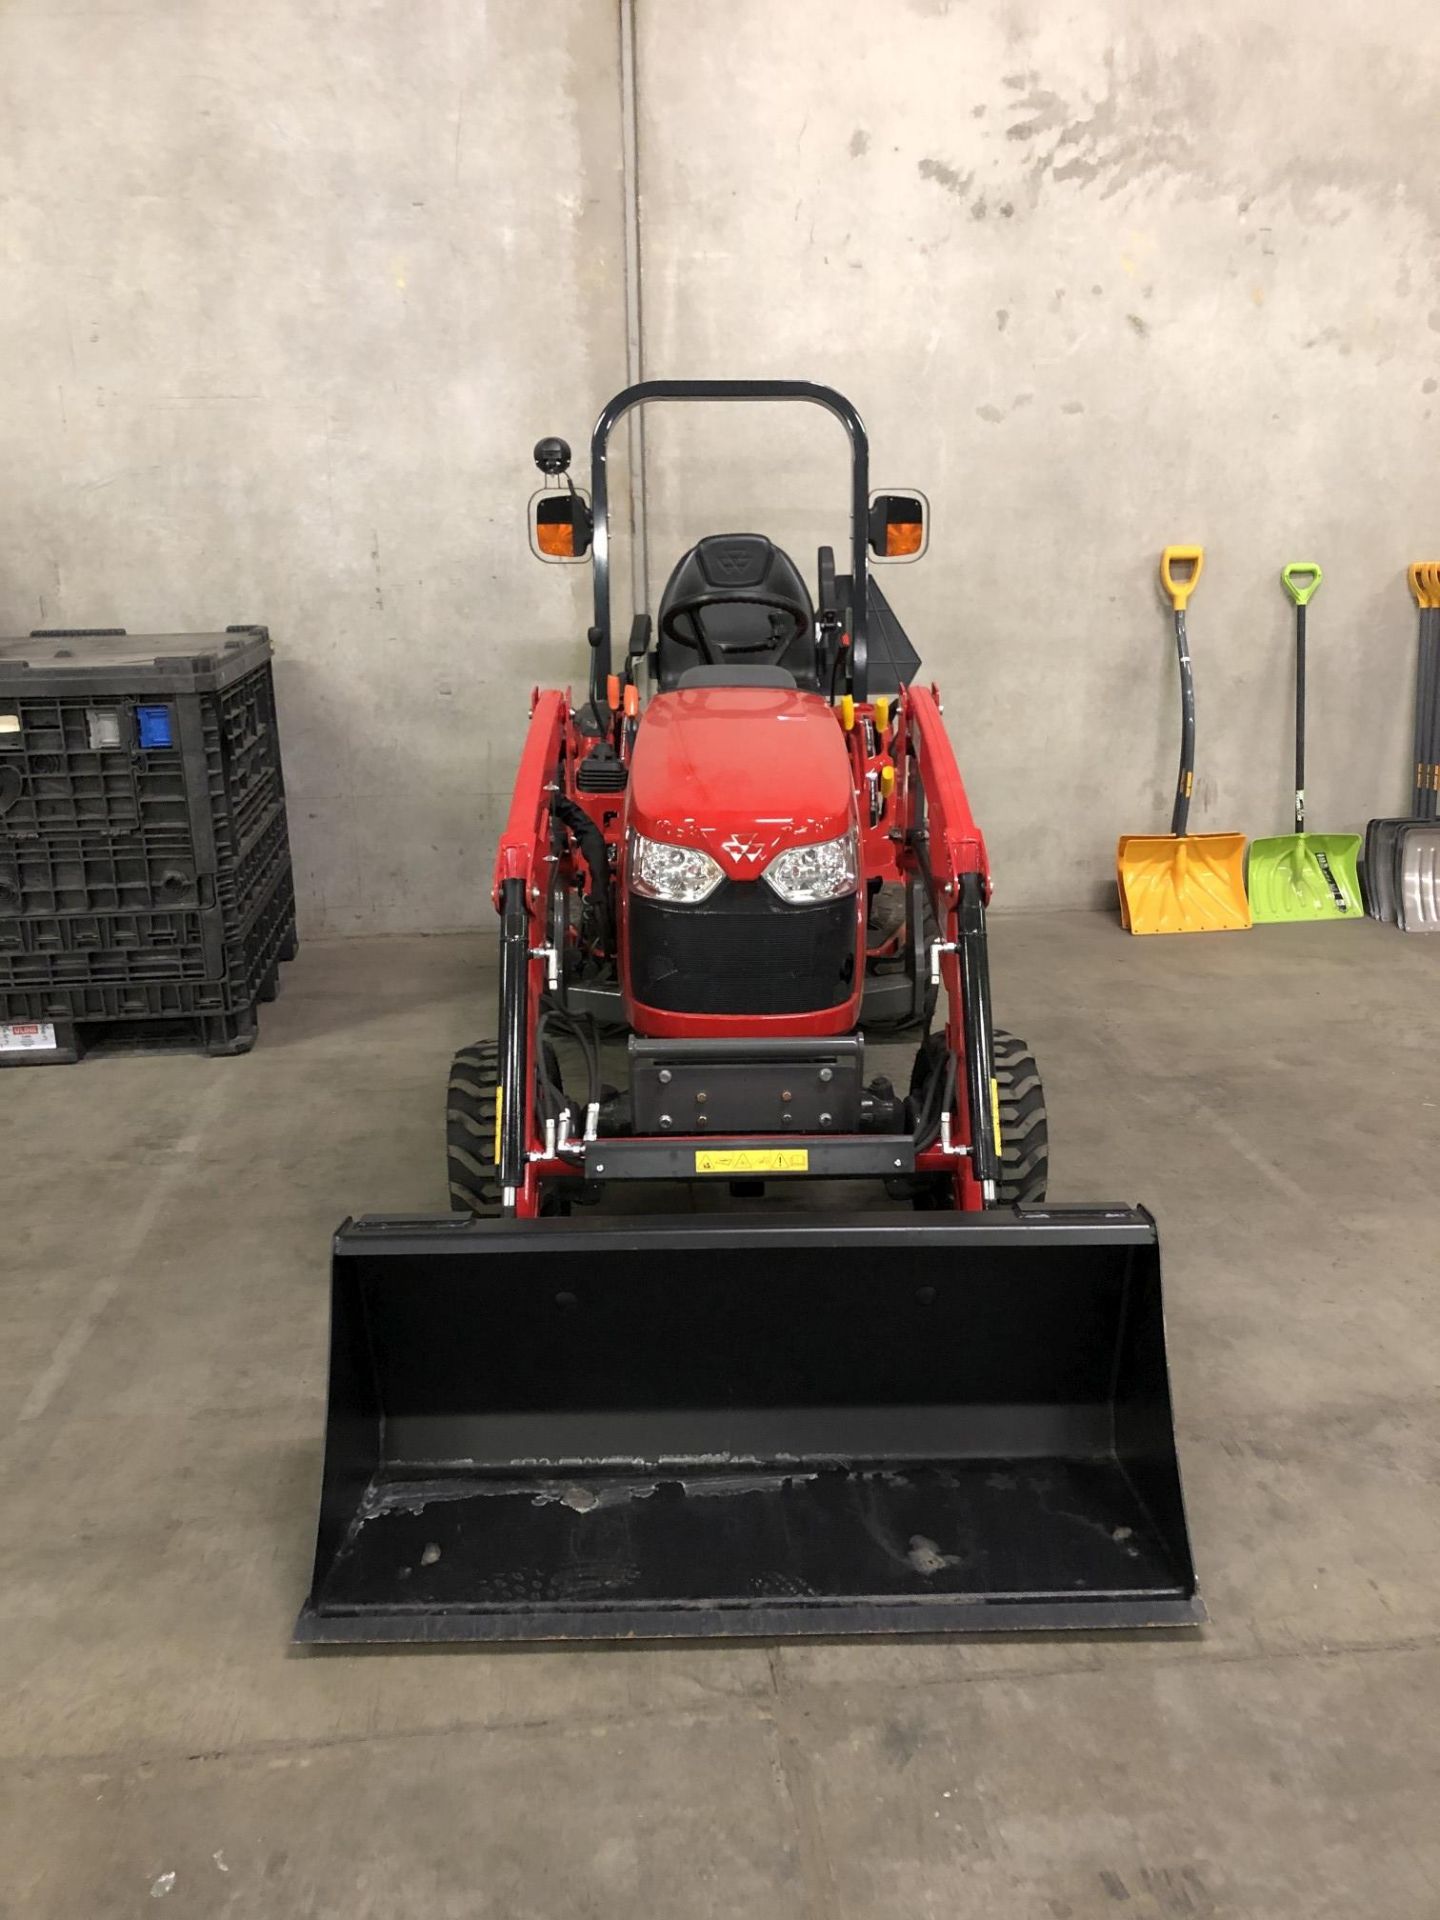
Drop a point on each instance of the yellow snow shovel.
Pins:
(1180, 882)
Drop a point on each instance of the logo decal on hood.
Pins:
(739, 849)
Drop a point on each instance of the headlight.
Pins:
(803, 875)
(661, 872)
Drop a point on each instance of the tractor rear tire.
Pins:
(1024, 1134)
(470, 1102)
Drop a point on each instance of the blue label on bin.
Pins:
(154, 725)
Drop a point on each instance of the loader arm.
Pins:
(525, 839)
(519, 890)
(949, 850)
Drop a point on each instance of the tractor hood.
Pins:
(743, 772)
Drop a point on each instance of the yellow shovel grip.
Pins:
(1181, 590)
(1425, 582)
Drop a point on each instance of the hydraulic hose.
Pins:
(927, 1126)
(591, 842)
(581, 1029)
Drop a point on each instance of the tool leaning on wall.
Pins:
(1300, 875)
(1182, 882)
(1402, 852)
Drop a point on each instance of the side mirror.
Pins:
(561, 523)
(899, 525)
(560, 526)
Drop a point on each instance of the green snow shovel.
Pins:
(1300, 875)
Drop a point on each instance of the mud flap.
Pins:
(720, 1426)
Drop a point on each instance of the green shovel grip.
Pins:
(1300, 580)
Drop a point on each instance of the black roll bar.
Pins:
(827, 397)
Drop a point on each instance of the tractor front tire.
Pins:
(470, 1102)
(1024, 1135)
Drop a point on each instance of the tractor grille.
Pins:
(742, 951)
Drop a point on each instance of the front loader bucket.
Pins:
(1182, 883)
(713, 1425)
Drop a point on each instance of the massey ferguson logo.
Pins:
(739, 849)
(732, 562)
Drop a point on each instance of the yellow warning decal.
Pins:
(499, 1116)
(995, 1111)
(752, 1160)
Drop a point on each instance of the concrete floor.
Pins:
(1273, 1098)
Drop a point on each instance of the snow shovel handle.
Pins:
(1301, 580)
(1179, 591)
(1184, 786)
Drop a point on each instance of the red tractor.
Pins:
(743, 855)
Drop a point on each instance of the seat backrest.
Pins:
(739, 632)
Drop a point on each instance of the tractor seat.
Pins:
(758, 613)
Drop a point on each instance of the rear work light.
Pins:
(804, 875)
(684, 875)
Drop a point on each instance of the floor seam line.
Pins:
(116, 1759)
(764, 1705)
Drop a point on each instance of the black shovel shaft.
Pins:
(1181, 816)
(1422, 797)
(1422, 705)
(1430, 742)
(1300, 717)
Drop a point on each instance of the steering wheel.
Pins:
(695, 604)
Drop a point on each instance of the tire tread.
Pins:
(1024, 1126)
(470, 1097)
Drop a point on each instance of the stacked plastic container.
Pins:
(146, 890)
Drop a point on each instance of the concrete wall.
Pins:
(287, 292)
(291, 290)
(1100, 278)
